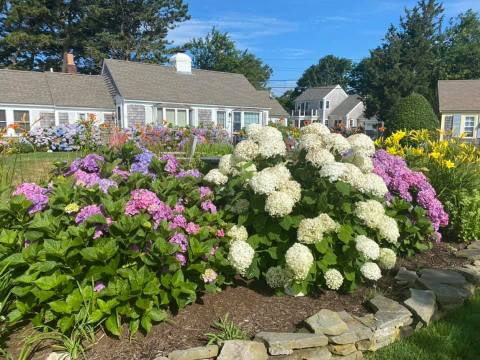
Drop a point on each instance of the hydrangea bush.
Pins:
(132, 231)
(316, 217)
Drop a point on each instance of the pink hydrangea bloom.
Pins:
(192, 228)
(209, 206)
(142, 199)
(35, 194)
(220, 233)
(204, 191)
(178, 221)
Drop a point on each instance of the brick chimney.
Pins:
(69, 66)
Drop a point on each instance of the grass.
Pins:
(30, 167)
(454, 337)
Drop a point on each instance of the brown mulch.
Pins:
(255, 309)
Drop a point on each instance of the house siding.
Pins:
(462, 117)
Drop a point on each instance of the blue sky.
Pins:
(292, 35)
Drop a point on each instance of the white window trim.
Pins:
(464, 121)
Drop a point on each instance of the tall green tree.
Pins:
(462, 47)
(34, 34)
(330, 70)
(287, 100)
(409, 60)
(217, 51)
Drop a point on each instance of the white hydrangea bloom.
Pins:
(279, 204)
(373, 184)
(315, 128)
(226, 164)
(337, 143)
(319, 157)
(371, 271)
(311, 231)
(333, 279)
(362, 144)
(299, 260)
(214, 176)
(388, 229)
(264, 182)
(334, 171)
(371, 212)
(238, 233)
(244, 167)
(269, 133)
(311, 141)
(353, 176)
(292, 188)
(367, 247)
(277, 277)
(269, 148)
(246, 150)
(240, 256)
(363, 162)
(253, 132)
(281, 173)
(387, 259)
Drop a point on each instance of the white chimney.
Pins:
(182, 62)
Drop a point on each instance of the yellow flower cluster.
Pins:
(448, 153)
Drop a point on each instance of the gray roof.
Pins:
(157, 83)
(54, 89)
(459, 95)
(315, 93)
(346, 106)
(275, 107)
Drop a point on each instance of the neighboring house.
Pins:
(277, 113)
(136, 94)
(331, 106)
(459, 106)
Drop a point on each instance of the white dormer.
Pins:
(182, 63)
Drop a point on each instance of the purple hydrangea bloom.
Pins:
(192, 173)
(35, 194)
(86, 212)
(105, 184)
(86, 179)
(204, 191)
(172, 163)
(178, 221)
(412, 186)
(99, 286)
(181, 258)
(122, 173)
(181, 240)
(209, 206)
(142, 163)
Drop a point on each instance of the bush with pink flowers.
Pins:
(133, 231)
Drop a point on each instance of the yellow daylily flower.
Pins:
(435, 155)
(449, 164)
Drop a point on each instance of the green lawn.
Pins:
(456, 336)
(18, 168)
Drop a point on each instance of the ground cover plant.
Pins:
(452, 167)
(317, 217)
(133, 232)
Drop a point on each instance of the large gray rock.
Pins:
(321, 353)
(327, 322)
(469, 253)
(470, 272)
(343, 350)
(285, 343)
(474, 245)
(196, 353)
(356, 330)
(406, 277)
(422, 303)
(243, 350)
(357, 355)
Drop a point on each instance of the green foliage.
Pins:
(464, 211)
(218, 52)
(413, 112)
(226, 330)
(58, 266)
(330, 70)
(34, 35)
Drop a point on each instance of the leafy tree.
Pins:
(287, 100)
(34, 34)
(408, 60)
(330, 70)
(462, 47)
(217, 51)
(412, 112)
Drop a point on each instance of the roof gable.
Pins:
(459, 95)
(346, 106)
(156, 83)
(316, 93)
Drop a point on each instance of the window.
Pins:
(22, 119)
(47, 119)
(181, 118)
(321, 104)
(351, 123)
(327, 105)
(81, 116)
(448, 123)
(237, 121)
(326, 122)
(63, 118)
(469, 126)
(170, 116)
(205, 117)
(159, 116)
(251, 118)
(3, 119)
(221, 119)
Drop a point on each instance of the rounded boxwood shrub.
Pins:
(412, 112)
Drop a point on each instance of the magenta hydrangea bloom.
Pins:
(124, 174)
(179, 208)
(412, 186)
(209, 206)
(142, 199)
(87, 212)
(204, 191)
(99, 286)
(181, 258)
(86, 179)
(192, 228)
(181, 240)
(178, 221)
(35, 194)
(172, 163)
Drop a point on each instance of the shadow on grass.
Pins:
(457, 336)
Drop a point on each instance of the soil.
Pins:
(254, 309)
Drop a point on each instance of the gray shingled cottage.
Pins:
(134, 94)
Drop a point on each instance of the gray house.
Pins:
(132, 94)
(331, 106)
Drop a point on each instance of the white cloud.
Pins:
(242, 28)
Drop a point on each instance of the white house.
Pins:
(134, 94)
(331, 106)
